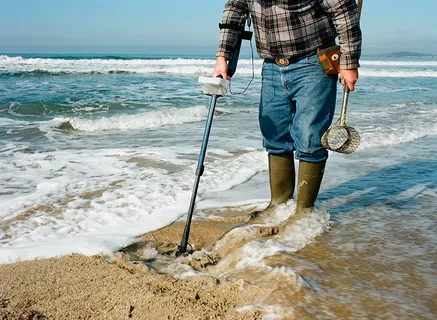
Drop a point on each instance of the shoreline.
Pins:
(80, 287)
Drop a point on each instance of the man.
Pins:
(297, 97)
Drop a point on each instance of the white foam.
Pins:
(186, 66)
(255, 249)
(139, 66)
(12, 147)
(145, 120)
(398, 73)
(385, 137)
(92, 201)
(106, 240)
(5, 122)
(424, 63)
(400, 123)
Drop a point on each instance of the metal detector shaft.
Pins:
(215, 90)
(199, 172)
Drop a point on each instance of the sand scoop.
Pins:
(340, 137)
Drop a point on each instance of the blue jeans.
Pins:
(296, 108)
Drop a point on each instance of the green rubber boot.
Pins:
(282, 180)
(310, 179)
(308, 186)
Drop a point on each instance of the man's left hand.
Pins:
(349, 77)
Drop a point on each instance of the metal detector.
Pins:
(214, 87)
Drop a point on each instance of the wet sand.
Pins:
(339, 275)
(80, 287)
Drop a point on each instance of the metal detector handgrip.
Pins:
(232, 65)
(241, 35)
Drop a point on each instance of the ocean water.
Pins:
(95, 150)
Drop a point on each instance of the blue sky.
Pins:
(181, 26)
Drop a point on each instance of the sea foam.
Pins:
(100, 197)
(145, 120)
(183, 66)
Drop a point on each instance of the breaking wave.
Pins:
(399, 63)
(145, 120)
(384, 139)
(183, 66)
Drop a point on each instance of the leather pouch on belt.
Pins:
(329, 58)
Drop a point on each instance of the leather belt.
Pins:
(283, 62)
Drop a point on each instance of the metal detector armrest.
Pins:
(214, 86)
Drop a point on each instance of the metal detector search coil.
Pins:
(340, 137)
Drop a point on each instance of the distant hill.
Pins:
(408, 54)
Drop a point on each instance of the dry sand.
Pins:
(80, 287)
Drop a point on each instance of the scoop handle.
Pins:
(344, 106)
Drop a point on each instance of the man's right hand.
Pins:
(221, 68)
(349, 77)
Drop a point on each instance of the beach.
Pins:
(80, 287)
(98, 156)
(123, 286)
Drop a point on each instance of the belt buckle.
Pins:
(282, 62)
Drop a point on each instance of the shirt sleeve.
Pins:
(346, 20)
(235, 12)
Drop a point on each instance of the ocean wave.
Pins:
(183, 66)
(12, 147)
(145, 120)
(43, 66)
(6, 122)
(157, 60)
(384, 138)
(198, 70)
(414, 103)
(104, 60)
(398, 73)
(133, 206)
(398, 63)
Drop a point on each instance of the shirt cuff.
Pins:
(349, 61)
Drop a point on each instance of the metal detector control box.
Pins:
(214, 86)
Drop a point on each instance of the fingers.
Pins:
(344, 84)
(221, 68)
(223, 74)
(349, 78)
(350, 85)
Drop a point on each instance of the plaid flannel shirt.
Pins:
(295, 28)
